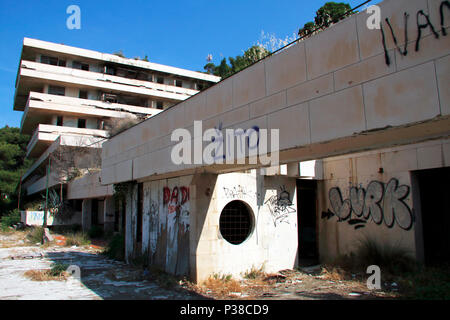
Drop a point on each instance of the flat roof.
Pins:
(106, 57)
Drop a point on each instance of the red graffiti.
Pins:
(184, 195)
(166, 193)
(172, 199)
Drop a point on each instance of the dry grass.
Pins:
(45, 275)
(333, 273)
(220, 287)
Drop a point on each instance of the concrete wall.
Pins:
(331, 94)
(384, 175)
(181, 224)
(272, 244)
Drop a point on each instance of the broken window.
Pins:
(236, 222)
(160, 80)
(107, 97)
(60, 91)
(178, 83)
(159, 105)
(59, 121)
(53, 61)
(80, 65)
(83, 94)
(81, 123)
(109, 70)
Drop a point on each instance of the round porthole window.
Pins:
(236, 222)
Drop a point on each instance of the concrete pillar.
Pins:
(86, 215)
(108, 211)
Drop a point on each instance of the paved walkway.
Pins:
(100, 278)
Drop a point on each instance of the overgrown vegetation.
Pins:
(116, 248)
(9, 220)
(12, 165)
(95, 232)
(221, 285)
(57, 272)
(392, 259)
(237, 63)
(328, 14)
(35, 234)
(255, 273)
(77, 239)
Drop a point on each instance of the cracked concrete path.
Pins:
(100, 278)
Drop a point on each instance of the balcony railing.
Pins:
(106, 78)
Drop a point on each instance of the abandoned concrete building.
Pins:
(364, 151)
(72, 100)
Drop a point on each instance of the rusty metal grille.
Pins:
(235, 222)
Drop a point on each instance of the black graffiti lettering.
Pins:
(403, 52)
(386, 53)
(372, 202)
(441, 11)
(423, 26)
(394, 207)
(376, 202)
(357, 197)
(420, 26)
(341, 209)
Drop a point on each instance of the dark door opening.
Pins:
(435, 214)
(140, 212)
(94, 212)
(306, 214)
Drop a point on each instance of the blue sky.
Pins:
(176, 33)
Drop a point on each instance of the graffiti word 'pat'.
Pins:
(382, 203)
(280, 206)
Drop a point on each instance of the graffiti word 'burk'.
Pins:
(380, 202)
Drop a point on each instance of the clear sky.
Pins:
(176, 33)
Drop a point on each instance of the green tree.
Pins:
(330, 12)
(12, 163)
(238, 63)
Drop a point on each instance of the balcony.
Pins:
(34, 72)
(41, 107)
(45, 135)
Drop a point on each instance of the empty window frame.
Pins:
(81, 123)
(178, 83)
(59, 121)
(80, 65)
(83, 94)
(160, 80)
(60, 91)
(53, 61)
(159, 105)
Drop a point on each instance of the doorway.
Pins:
(307, 223)
(434, 208)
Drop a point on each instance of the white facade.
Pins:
(72, 98)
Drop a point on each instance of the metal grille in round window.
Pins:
(236, 222)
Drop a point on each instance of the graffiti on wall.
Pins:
(280, 206)
(176, 205)
(238, 192)
(382, 203)
(176, 200)
(420, 15)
